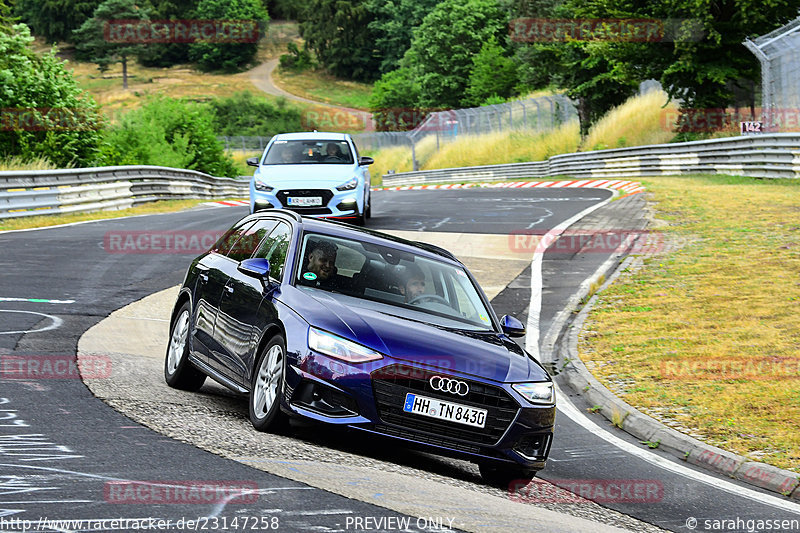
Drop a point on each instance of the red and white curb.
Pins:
(628, 187)
(228, 203)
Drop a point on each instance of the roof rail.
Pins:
(291, 214)
(436, 249)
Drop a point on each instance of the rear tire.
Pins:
(267, 387)
(503, 475)
(178, 371)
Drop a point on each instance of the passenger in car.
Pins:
(412, 282)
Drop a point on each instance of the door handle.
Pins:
(203, 277)
(229, 289)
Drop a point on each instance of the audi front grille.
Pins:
(391, 384)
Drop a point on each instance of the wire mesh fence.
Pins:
(538, 114)
(779, 55)
(532, 114)
(244, 144)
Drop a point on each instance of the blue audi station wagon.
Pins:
(341, 325)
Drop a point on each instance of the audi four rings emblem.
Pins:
(453, 386)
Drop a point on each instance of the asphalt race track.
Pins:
(63, 451)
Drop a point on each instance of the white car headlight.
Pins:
(349, 185)
(335, 346)
(262, 186)
(538, 393)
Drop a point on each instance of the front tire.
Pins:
(502, 475)
(267, 387)
(361, 220)
(178, 371)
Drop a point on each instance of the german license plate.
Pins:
(453, 412)
(308, 201)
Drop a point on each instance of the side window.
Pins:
(226, 242)
(355, 151)
(274, 249)
(249, 239)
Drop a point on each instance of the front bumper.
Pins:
(335, 204)
(371, 399)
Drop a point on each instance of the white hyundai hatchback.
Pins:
(316, 174)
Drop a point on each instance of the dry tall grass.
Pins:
(641, 120)
(18, 163)
(505, 147)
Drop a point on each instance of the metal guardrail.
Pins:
(47, 192)
(774, 155)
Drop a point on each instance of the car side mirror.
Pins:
(511, 326)
(252, 161)
(364, 161)
(257, 268)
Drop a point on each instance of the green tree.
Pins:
(393, 26)
(166, 54)
(169, 133)
(97, 44)
(700, 59)
(338, 33)
(286, 9)
(493, 74)
(55, 19)
(44, 114)
(393, 101)
(595, 81)
(244, 114)
(228, 56)
(444, 44)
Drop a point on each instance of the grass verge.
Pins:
(163, 206)
(320, 86)
(706, 338)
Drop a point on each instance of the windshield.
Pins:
(408, 285)
(309, 152)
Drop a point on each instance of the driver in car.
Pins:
(320, 270)
(333, 153)
(412, 282)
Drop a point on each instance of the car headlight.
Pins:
(538, 393)
(349, 185)
(261, 186)
(335, 346)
